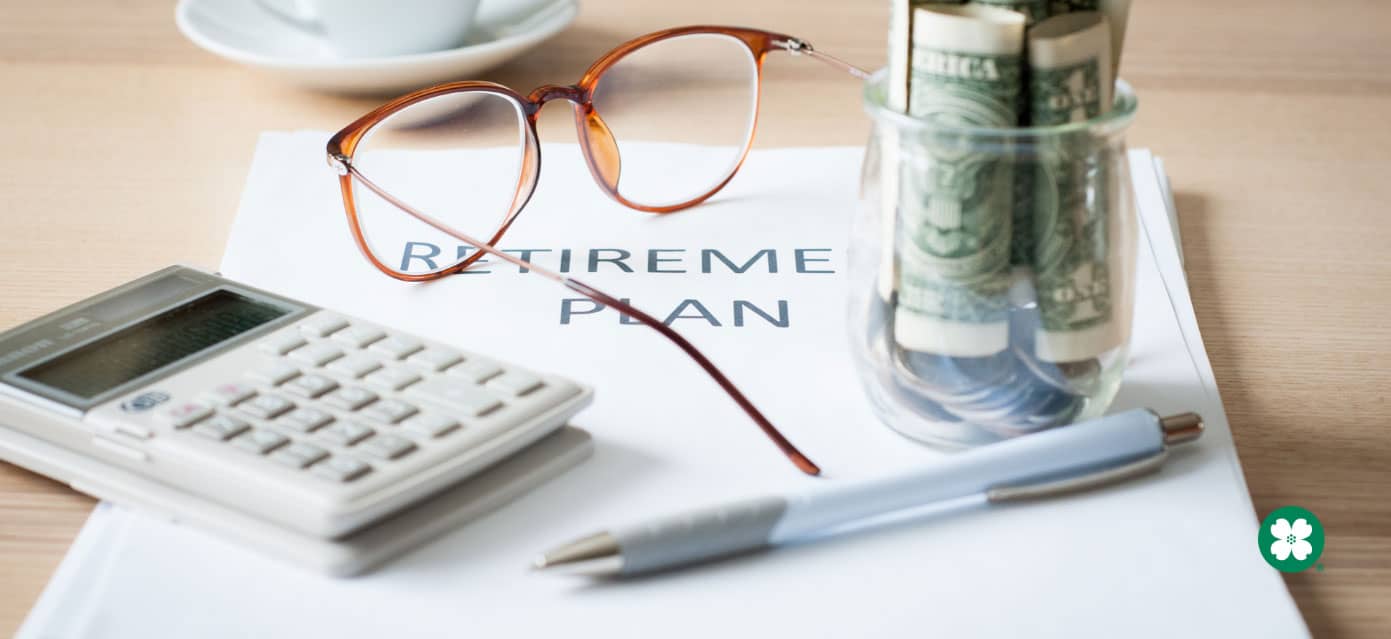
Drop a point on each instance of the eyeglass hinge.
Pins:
(794, 46)
(339, 163)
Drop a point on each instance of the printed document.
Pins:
(756, 278)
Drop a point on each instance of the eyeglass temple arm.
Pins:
(800, 460)
(802, 47)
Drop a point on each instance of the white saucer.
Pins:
(244, 32)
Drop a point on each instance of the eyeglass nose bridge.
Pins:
(600, 148)
(569, 93)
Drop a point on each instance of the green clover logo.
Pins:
(1291, 539)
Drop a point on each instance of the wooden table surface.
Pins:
(123, 149)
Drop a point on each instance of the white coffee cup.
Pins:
(376, 28)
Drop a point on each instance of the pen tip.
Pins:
(595, 555)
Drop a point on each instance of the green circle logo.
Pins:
(1291, 539)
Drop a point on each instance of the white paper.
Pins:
(1169, 555)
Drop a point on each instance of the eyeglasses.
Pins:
(461, 160)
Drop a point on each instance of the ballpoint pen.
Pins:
(1064, 460)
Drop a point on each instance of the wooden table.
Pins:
(123, 149)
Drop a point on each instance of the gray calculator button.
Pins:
(397, 346)
(387, 446)
(350, 398)
(281, 344)
(304, 419)
(230, 393)
(310, 385)
(341, 469)
(317, 354)
(299, 454)
(221, 427)
(463, 396)
(266, 406)
(185, 414)
(392, 378)
(274, 373)
(260, 441)
(354, 366)
(476, 370)
(346, 433)
(435, 359)
(389, 411)
(515, 383)
(324, 325)
(429, 425)
(358, 336)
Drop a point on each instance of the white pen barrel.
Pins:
(1067, 450)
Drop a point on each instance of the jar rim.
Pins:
(1122, 113)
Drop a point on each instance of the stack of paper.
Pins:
(1169, 555)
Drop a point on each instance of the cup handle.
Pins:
(299, 14)
(518, 19)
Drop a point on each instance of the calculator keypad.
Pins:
(222, 427)
(266, 406)
(389, 411)
(304, 419)
(310, 386)
(341, 400)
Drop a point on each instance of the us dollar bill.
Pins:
(1033, 10)
(1117, 14)
(896, 99)
(966, 69)
(1073, 243)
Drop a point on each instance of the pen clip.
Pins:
(1103, 477)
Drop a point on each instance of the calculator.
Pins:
(187, 383)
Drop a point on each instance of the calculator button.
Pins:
(230, 393)
(476, 370)
(429, 425)
(299, 454)
(397, 346)
(389, 411)
(435, 359)
(260, 441)
(324, 326)
(274, 374)
(317, 354)
(387, 446)
(281, 344)
(266, 406)
(392, 378)
(310, 386)
(354, 366)
(222, 427)
(471, 400)
(515, 383)
(185, 414)
(350, 398)
(341, 469)
(346, 433)
(358, 336)
(304, 419)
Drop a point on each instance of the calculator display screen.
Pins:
(153, 343)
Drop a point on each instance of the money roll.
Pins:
(953, 242)
(1069, 81)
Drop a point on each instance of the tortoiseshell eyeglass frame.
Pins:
(601, 154)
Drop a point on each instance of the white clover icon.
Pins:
(1291, 539)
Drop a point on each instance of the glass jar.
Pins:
(992, 272)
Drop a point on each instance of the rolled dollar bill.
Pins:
(955, 201)
(1070, 68)
(1033, 10)
(1117, 14)
(895, 98)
